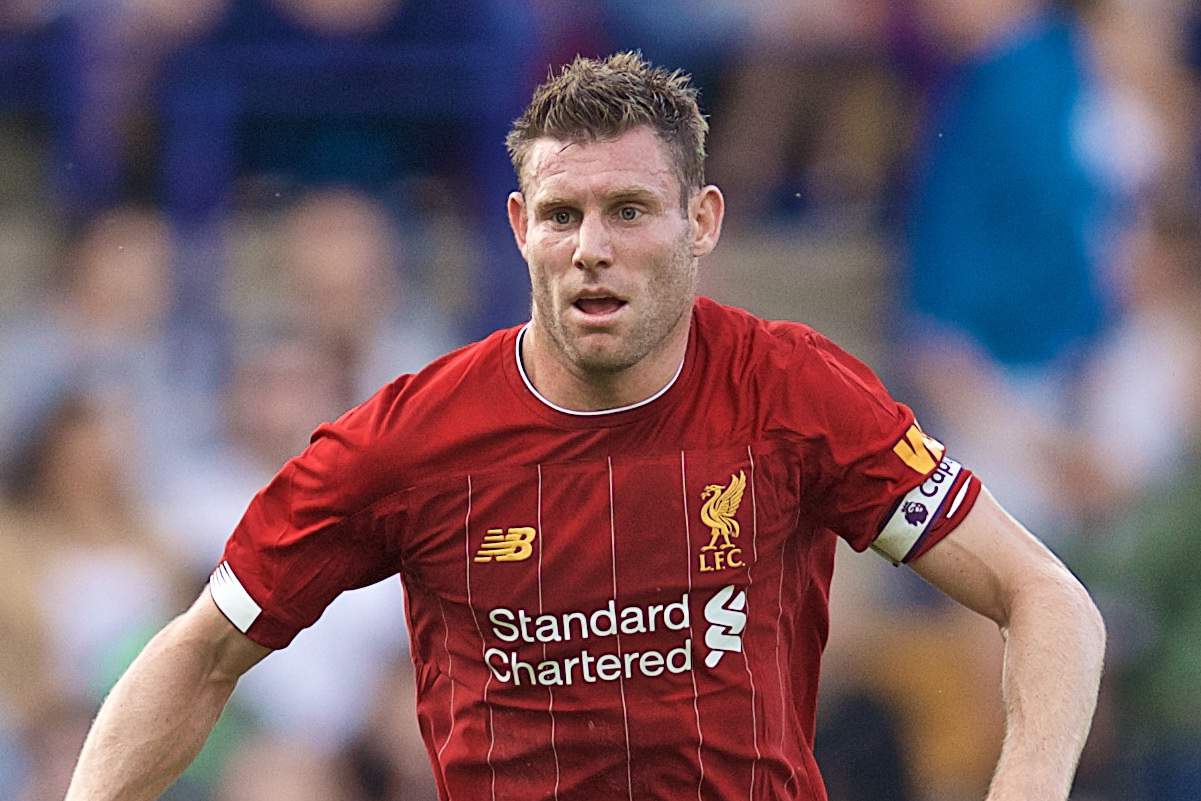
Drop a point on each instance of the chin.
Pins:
(603, 360)
(601, 353)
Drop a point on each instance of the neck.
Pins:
(567, 385)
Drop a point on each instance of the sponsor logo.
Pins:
(727, 618)
(918, 450)
(520, 626)
(718, 513)
(514, 628)
(915, 513)
(508, 668)
(507, 545)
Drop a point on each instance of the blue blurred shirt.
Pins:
(1005, 216)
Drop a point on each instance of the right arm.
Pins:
(159, 714)
(293, 552)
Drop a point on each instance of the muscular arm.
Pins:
(1054, 645)
(159, 714)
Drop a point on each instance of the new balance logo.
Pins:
(507, 545)
(727, 618)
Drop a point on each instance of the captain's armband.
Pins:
(937, 503)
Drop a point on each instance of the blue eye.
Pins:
(561, 217)
(629, 213)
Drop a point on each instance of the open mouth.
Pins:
(598, 307)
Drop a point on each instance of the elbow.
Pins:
(1060, 601)
(1083, 609)
(1093, 620)
(1086, 630)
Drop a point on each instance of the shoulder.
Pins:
(725, 326)
(458, 377)
(798, 381)
(454, 378)
(758, 346)
(373, 445)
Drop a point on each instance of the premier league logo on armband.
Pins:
(915, 513)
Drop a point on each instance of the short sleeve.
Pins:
(301, 542)
(871, 474)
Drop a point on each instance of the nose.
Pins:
(594, 246)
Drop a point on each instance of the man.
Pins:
(616, 524)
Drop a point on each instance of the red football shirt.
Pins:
(621, 604)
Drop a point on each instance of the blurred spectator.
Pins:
(319, 691)
(281, 389)
(52, 741)
(389, 760)
(23, 15)
(1139, 126)
(1144, 578)
(1141, 386)
(239, 81)
(809, 115)
(805, 102)
(107, 77)
(1134, 471)
(434, 84)
(102, 326)
(87, 568)
(1009, 235)
(342, 281)
(1005, 213)
(274, 769)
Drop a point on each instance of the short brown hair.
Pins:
(592, 100)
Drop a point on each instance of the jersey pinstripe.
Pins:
(621, 605)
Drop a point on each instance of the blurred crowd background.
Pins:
(224, 221)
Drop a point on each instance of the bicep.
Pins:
(987, 561)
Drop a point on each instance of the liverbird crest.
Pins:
(721, 505)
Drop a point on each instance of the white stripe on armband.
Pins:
(917, 512)
(959, 496)
(232, 599)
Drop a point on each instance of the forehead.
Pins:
(636, 159)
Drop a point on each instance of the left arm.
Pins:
(1054, 645)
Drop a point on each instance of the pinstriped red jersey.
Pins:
(629, 604)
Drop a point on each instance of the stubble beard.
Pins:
(667, 298)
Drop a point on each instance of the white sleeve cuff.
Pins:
(232, 599)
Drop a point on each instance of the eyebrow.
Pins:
(634, 193)
(624, 195)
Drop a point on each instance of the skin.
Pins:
(1054, 644)
(155, 720)
(603, 220)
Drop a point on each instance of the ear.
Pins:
(706, 210)
(518, 219)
